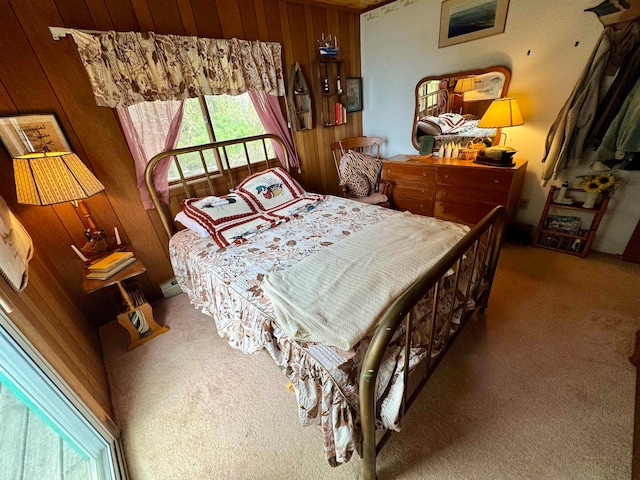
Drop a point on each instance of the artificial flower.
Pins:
(604, 182)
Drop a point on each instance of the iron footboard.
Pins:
(484, 261)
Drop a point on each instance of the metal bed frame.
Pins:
(481, 244)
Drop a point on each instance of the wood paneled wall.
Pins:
(40, 75)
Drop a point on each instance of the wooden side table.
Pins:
(134, 302)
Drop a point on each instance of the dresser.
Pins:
(452, 189)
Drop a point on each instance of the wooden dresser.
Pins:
(452, 189)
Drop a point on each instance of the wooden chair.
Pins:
(367, 145)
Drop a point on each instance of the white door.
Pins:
(46, 432)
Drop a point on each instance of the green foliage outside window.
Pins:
(232, 117)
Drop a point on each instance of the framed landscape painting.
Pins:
(465, 20)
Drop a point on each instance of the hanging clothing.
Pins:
(623, 135)
(567, 138)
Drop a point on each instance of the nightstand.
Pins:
(134, 307)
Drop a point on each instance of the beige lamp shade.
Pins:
(503, 112)
(465, 84)
(46, 178)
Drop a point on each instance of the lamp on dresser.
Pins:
(48, 178)
(503, 112)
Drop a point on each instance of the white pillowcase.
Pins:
(191, 224)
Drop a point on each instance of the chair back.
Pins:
(368, 145)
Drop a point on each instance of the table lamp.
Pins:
(47, 178)
(503, 112)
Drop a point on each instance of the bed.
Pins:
(353, 386)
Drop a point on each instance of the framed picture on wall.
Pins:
(465, 20)
(354, 94)
(24, 134)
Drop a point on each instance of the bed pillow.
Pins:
(270, 189)
(190, 224)
(228, 219)
(359, 173)
(429, 127)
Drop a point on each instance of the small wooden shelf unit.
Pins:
(332, 88)
(579, 244)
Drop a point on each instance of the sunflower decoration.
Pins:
(604, 182)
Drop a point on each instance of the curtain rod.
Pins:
(60, 32)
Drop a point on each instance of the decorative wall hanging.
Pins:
(16, 249)
(354, 94)
(32, 133)
(465, 20)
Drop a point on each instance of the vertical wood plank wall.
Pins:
(40, 75)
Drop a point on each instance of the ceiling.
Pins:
(358, 5)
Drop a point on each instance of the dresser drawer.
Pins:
(477, 178)
(469, 214)
(409, 172)
(411, 189)
(462, 195)
(419, 206)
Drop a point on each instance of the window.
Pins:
(231, 117)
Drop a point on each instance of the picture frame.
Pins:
(466, 20)
(30, 133)
(354, 94)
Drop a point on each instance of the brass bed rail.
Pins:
(219, 150)
(493, 225)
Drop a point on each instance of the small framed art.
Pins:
(24, 134)
(465, 20)
(354, 94)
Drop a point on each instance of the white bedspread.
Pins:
(339, 294)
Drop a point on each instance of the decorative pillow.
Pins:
(240, 215)
(191, 224)
(428, 127)
(446, 121)
(271, 188)
(228, 218)
(359, 173)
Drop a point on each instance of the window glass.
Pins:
(232, 117)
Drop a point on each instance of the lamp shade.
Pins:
(465, 84)
(46, 178)
(503, 112)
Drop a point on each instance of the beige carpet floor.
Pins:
(540, 388)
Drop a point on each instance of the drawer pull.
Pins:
(496, 180)
(421, 205)
(423, 190)
(444, 194)
(446, 175)
(424, 174)
(442, 210)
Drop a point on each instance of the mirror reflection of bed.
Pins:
(448, 107)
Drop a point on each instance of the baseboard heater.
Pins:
(170, 288)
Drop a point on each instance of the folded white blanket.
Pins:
(339, 294)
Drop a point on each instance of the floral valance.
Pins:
(126, 68)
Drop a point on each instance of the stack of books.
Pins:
(110, 265)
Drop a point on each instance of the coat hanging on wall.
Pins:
(568, 137)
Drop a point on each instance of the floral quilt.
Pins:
(226, 284)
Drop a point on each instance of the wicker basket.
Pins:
(470, 151)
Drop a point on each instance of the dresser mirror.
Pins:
(448, 107)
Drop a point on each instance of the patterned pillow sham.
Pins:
(359, 173)
(271, 188)
(234, 218)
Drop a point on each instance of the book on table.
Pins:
(103, 275)
(110, 262)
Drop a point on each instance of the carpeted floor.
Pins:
(540, 388)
